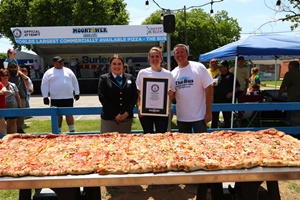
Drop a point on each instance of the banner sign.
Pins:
(89, 34)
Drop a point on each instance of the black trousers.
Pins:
(160, 123)
(215, 119)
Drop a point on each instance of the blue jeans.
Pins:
(37, 73)
(192, 127)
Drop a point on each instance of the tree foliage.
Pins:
(292, 10)
(28, 13)
(3, 55)
(204, 33)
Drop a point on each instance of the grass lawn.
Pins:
(44, 126)
(272, 83)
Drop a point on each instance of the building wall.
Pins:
(92, 65)
(283, 69)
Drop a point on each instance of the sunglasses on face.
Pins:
(5, 75)
(12, 67)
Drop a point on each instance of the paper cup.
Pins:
(216, 81)
(5, 64)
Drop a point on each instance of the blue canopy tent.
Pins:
(257, 47)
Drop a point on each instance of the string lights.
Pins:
(211, 9)
(168, 12)
(162, 16)
(278, 3)
(164, 9)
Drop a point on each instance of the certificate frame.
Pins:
(154, 96)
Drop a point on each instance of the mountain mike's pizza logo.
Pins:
(17, 33)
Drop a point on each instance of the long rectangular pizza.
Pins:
(114, 153)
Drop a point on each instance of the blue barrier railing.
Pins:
(54, 112)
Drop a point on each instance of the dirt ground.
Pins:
(289, 190)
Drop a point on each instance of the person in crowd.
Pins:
(21, 81)
(130, 66)
(78, 70)
(3, 93)
(29, 88)
(223, 93)
(155, 70)
(11, 58)
(291, 83)
(118, 95)
(164, 65)
(62, 85)
(213, 70)
(73, 64)
(12, 97)
(36, 68)
(242, 76)
(254, 82)
(193, 92)
(125, 69)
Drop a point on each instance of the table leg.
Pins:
(92, 193)
(67, 193)
(202, 191)
(25, 194)
(247, 190)
(273, 190)
(216, 191)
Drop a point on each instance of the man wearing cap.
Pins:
(223, 92)
(62, 85)
(242, 76)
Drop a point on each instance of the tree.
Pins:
(3, 55)
(28, 13)
(292, 8)
(204, 33)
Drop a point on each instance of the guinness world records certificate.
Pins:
(154, 96)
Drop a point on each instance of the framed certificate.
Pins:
(154, 96)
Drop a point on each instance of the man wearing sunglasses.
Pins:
(21, 81)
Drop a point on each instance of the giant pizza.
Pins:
(114, 153)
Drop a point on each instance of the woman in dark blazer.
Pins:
(118, 95)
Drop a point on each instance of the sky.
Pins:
(250, 14)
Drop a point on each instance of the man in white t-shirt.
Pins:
(62, 85)
(193, 93)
